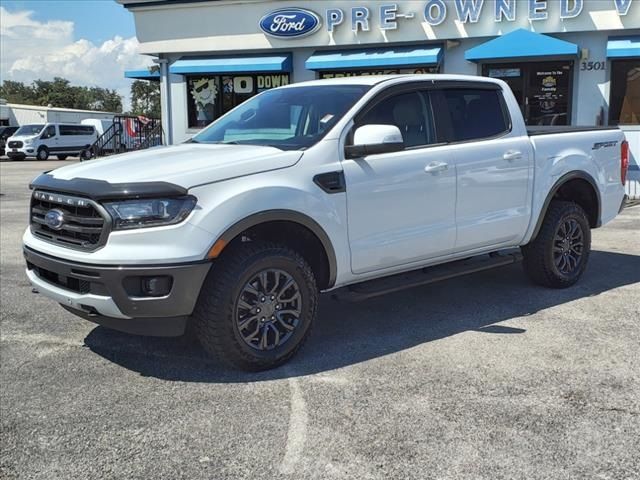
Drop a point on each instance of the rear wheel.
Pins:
(42, 154)
(558, 256)
(257, 306)
(62, 157)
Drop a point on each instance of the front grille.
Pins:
(15, 144)
(68, 283)
(81, 226)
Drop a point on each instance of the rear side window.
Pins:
(410, 112)
(76, 130)
(476, 113)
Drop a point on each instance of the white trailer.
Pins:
(24, 114)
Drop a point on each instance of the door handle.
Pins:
(435, 167)
(512, 155)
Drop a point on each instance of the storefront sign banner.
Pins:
(290, 22)
(297, 22)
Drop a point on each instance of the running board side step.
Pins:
(415, 278)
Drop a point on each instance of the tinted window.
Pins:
(75, 130)
(408, 112)
(475, 113)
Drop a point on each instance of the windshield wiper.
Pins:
(233, 142)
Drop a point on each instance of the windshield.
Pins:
(29, 130)
(292, 118)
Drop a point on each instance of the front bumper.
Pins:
(22, 152)
(111, 295)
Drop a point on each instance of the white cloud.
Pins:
(31, 50)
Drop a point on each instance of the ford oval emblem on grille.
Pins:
(54, 219)
(290, 22)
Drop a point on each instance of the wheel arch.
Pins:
(290, 217)
(575, 183)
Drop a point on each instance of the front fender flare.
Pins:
(290, 216)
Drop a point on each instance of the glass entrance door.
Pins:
(542, 89)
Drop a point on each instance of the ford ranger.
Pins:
(358, 186)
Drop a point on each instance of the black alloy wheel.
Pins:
(257, 305)
(559, 254)
(268, 309)
(568, 246)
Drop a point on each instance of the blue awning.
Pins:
(235, 64)
(143, 74)
(623, 47)
(521, 43)
(378, 58)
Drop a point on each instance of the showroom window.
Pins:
(210, 96)
(543, 89)
(624, 107)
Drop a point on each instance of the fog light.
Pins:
(156, 286)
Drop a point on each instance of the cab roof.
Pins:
(398, 78)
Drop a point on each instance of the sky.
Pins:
(88, 42)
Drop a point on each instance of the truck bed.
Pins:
(553, 129)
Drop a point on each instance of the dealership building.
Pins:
(568, 62)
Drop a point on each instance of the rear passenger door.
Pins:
(400, 205)
(493, 166)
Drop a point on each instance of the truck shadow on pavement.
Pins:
(350, 333)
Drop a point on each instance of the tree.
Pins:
(17, 92)
(105, 99)
(60, 93)
(145, 98)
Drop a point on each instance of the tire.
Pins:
(85, 154)
(559, 254)
(226, 318)
(62, 157)
(43, 154)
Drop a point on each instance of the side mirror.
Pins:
(373, 139)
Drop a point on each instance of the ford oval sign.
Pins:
(290, 23)
(54, 219)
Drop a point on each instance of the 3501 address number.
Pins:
(590, 66)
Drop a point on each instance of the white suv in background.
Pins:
(42, 140)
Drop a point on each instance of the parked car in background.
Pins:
(42, 140)
(371, 184)
(5, 133)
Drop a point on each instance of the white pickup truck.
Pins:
(357, 185)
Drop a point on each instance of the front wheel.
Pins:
(257, 306)
(43, 153)
(86, 154)
(558, 256)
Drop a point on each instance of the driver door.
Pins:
(401, 205)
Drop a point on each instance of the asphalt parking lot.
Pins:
(480, 377)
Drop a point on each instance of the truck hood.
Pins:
(186, 165)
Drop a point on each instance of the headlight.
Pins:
(152, 212)
(29, 141)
